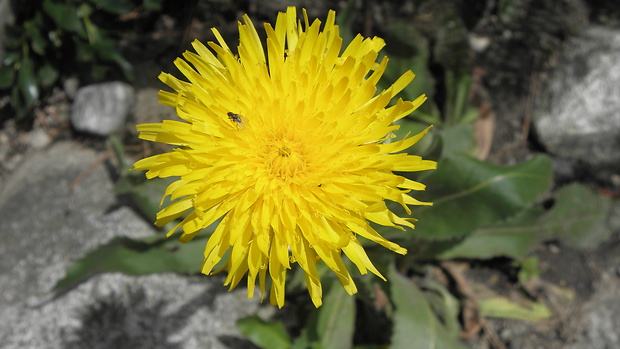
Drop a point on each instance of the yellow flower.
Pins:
(288, 145)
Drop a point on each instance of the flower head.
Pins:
(287, 144)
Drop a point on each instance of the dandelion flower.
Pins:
(287, 145)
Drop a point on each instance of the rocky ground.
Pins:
(547, 70)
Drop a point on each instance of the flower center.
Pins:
(284, 157)
(284, 152)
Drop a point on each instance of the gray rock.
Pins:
(46, 226)
(601, 318)
(70, 85)
(38, 138)
(102, 109)
(579, 115)
(149, 110)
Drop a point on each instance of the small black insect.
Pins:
(238, 119)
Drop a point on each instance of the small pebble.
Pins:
(39, 139)
(102, 109)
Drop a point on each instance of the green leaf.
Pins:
(107, 50)
(99, 71)
(444, 304)
(119, 155)
(510, 11)
(457, 99)
(415, 324)
(336, 319)
(428, 147)
(12, 57)
(37, 40)
(156, 254)
(511, 238)
(576, 219)
(27, 83)
(65, 16)
(407, 50)
(528, 269)
(344, 20)
(451, 45)
(470, 115)
(15, 37)
(7, 77)
(118, 7)
(501, 307)
(17, 102)
(468, 193)
(264, 334)
(47, 75)
(153, 5)
(302, 341)
(145, 194)
(458, 139)
(83, 51)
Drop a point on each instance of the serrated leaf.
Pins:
(264, 334)
(576, 219)
(156, 254)
(336, 319)
(468, 194)
(501, 307)
(415, 324)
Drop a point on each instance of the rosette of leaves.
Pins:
(55, 38)
(481, 211)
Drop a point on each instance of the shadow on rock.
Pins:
(129, 319)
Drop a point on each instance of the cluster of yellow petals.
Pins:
(288, 147)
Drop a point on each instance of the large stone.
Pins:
(601, 315)
(48, 221)
(102, 109)
(578, 117)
